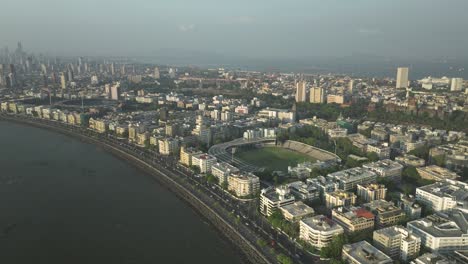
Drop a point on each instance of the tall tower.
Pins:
(156, 73)
(63, 80)
(402, 77)
(301, 91)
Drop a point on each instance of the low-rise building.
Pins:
(349, 179)
(434, 172)
(304, 190)
(273, 198)
(444, 195)
(371, 191)
(296, 211)
(386, 168)
(382, 151)
(432, 258)
(410, 160)
(339, 198)
(387, 214)
(364, 253)
(442, 233)
(397, 242)
(318, 230)
(353, 219)
(243, 184)
(410, 206)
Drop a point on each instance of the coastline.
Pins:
(249, 254)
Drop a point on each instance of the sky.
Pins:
(275, 29)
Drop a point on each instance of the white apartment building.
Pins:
(444, 195)
(204, 162)
(442, 233)
(318, 230)
(386, 169)
(275, 197)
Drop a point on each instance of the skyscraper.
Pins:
(115, 91)
(316, 95)
(156, 73)
(63, 80)
(402, 77)
(301, 91)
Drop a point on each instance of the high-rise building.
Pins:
(115, 91)
(316, 95)
(301, 91)
(402, 77)
(112, 69)
(456, 84)
(63, 80)
(318, 230)
(156, 73)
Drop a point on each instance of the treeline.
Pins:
(457, 120)
(357, 110)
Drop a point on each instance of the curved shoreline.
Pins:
(248, 250)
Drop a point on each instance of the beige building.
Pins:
(168, 146)
(243, 184)
(353, 219)
(222, 170)
(402, 77)
(317, 95)
(301, 91)
(397, 242)
(372, 191)
(339, 198)
(186, 155)
(434, 172)
(142, 138)
(335, 98)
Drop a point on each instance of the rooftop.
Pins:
(363, 252)
(454, 225)
(321, 223)
(298, 209)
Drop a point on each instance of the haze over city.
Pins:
(273, 29)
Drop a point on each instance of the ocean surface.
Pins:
(66, 201)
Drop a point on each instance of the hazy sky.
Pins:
(244, 28)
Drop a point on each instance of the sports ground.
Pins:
(273, 158)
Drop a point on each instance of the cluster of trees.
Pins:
(277, 220)
(333, 250)
(357, 110)
(457, 120)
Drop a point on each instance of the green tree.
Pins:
(333, 250)
(283, 259)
